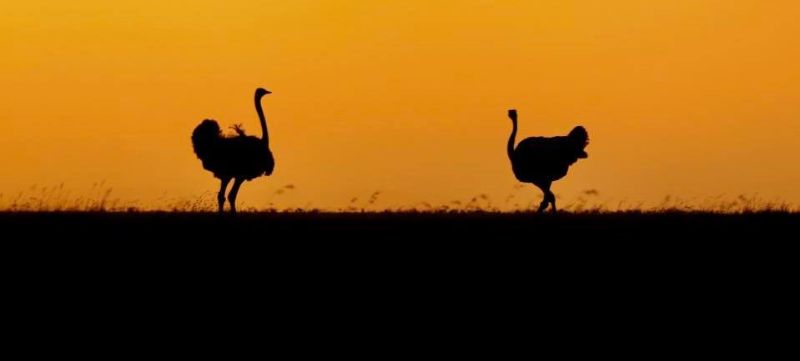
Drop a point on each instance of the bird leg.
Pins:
(552, 199)
(221, 195)
(543, 205)
(548, 196)
(234, 191)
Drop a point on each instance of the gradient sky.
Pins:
(690, 98)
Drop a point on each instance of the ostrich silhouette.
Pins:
(543, 160)
(239, 157)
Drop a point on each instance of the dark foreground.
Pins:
(663, 271)
(480, 238)
(432, 228)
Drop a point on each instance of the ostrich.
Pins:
(543, 160)
(239, 157)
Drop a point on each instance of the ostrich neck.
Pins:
(260, 111)
(511, 140)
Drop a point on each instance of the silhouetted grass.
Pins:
(57, 198)
(100, 198)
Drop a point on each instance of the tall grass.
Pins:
(100, 198)
(57, 198)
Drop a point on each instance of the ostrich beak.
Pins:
(267, 91)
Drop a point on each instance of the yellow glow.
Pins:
(686, 97)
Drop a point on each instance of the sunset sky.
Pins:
(689, 98)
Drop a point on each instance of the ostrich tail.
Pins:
(204, 137)
(269, 163)
(270, 169)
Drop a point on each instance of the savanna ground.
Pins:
(474, 227)
(457, 237)
(471, 233)
(722, 269)
(54, 212)
(468, 270)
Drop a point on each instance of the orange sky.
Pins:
(690, 98)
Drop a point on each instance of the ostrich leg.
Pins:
(234, 191)
(545, 187)
(552, 199)
(221, 195)
(543, 205)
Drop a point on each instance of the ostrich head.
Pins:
(512, 113)
(260, 92)
(579, 136)
(580, 139)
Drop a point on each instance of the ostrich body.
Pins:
(239, 158)
(543, 160)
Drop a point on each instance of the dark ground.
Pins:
(439, 238)
(502, 274)
(435, 228)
